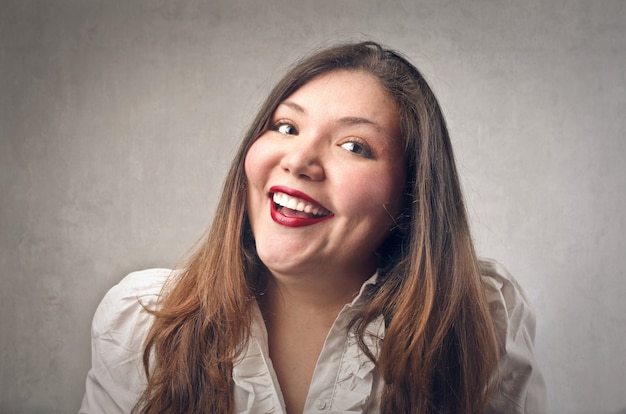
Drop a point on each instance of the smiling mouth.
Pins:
(297, 207)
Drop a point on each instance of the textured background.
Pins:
(118, 120)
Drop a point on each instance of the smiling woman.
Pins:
(339, 155)
(338, 275)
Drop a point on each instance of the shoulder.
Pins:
(505, 296)
(129, 300)
(521, 388)
(119, 328)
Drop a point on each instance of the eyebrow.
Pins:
(294, 106)
(357, 120)
(348, 120)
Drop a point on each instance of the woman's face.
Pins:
(325, 180)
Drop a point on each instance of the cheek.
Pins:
(255, 183)
(253, 163)
(375, 193)
(262, 157)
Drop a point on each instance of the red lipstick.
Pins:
(295, 220)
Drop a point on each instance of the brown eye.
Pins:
(357, 148)
(286, 129)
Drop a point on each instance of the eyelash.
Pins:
(365, 150)
(277, 126)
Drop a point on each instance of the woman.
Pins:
(338, 274)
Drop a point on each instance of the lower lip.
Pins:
(283, 220)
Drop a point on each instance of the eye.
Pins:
(357, 148)
(284, 128)
(287, 129)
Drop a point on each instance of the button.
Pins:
(320, 404)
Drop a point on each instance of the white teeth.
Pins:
(297, 204)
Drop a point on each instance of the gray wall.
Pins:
(118, 120)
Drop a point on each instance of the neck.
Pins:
(299, 311)
(320, 297)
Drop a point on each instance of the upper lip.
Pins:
(299, 194)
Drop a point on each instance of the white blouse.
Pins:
(345, 380)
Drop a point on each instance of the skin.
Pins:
(333, 146)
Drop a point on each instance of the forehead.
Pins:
(346, 93)
(347, 98)
(357, 84)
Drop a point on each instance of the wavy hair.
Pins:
(439, 354)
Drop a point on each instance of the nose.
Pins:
(303, 159)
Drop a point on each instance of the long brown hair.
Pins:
(439, 354)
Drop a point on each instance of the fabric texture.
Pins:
(345, 380)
